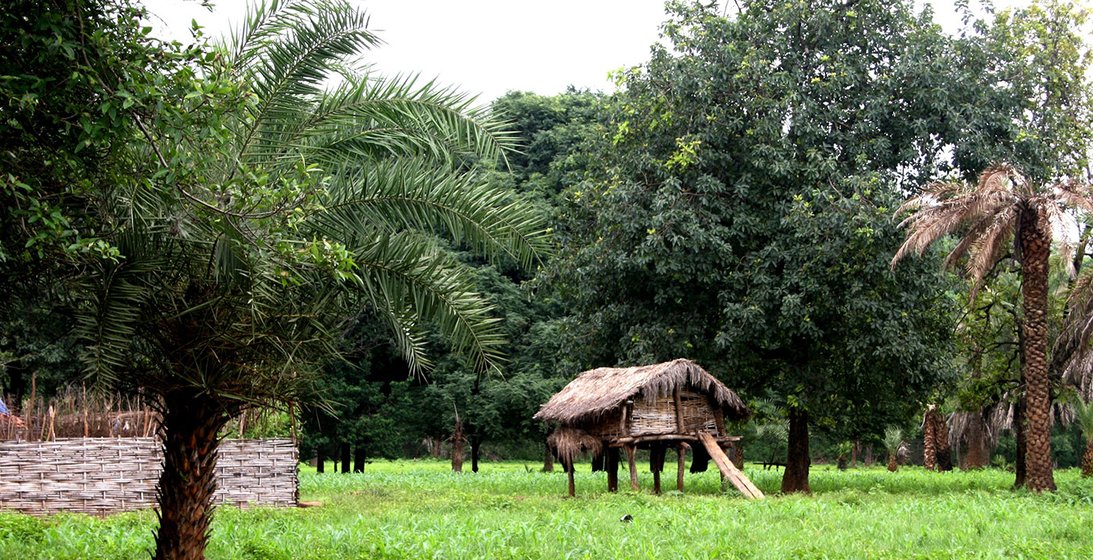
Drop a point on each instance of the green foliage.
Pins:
(893, 439)
(1083, 417)
(416, 509)
(273, 209)
(741, 215)
(1031, 103)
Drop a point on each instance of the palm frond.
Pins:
(376, 117)
(1083, 416)
(989, 247)
(405, 272)
(1072, 353)
(1074, 194)
(288, 56)
(412, 194)
(893, 439)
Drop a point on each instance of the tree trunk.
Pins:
(798, 459)
(346, 453)
(191, 424)
(548, 460)
(1035, 249)
(975, 436)
(1087, 460)
(359, 458)
(941, 444)
(854, 452)
(457, 447)
(1020, 430)
(738, 454)
(476, 448)
(320, 460)
(929, 439)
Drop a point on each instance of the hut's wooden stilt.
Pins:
(612, 469)
(681, 456)
(631, 452)
(572, 486)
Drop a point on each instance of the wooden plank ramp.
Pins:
(728, 470)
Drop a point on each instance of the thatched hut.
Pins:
(673, 404)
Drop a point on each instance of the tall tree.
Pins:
(264, 211)
(1084, 419)
(1005, 206)
(738, 216)
(66, 66)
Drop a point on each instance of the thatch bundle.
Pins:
(601, 390)
(569, 443)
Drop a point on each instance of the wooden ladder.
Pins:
(728, 470)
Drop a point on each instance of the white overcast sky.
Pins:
(488, 47)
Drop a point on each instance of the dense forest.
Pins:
(386, 269)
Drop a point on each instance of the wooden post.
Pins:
(681, 452)
(612, 469)
(631, 452)
(680, 424)
(719, 421)
(572, 486)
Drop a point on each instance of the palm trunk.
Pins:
(1020, 429)
(941, 444)
(893, 464)
(929, 442)
(191, 424)
(978, 455)
(1087, 460)
(929, 439)
(1035, 248)
(795, 477)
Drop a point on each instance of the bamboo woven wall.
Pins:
(107, 475)
(659, 417)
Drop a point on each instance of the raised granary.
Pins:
(673, 405)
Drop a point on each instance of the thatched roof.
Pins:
(571, 442)
(600, 390)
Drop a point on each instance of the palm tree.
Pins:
(935, 441)
(271, 211)
(1083, 415)
(1002, 206)
(893, 440)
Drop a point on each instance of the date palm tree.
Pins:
(893, 440)
(1001, 207)
(282, 191)
(1083, 416)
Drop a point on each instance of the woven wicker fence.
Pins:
(107, 475)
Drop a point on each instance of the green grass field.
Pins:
(417, 509)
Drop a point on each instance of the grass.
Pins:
(411, 509)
